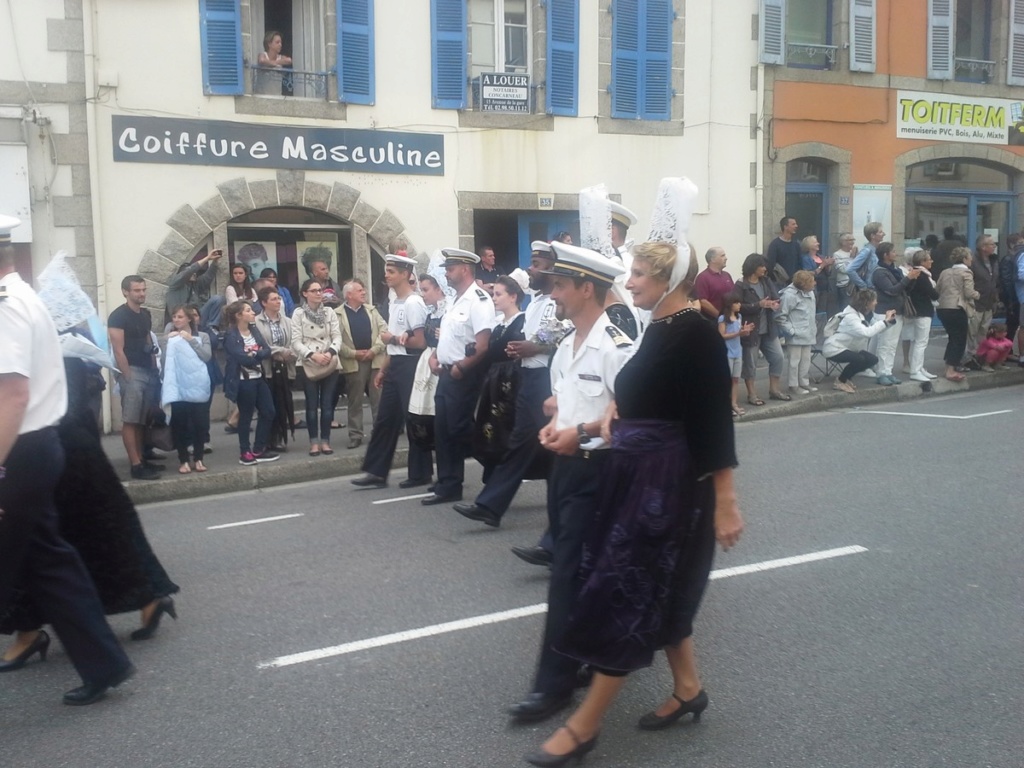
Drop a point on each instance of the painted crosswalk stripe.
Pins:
(253, 522)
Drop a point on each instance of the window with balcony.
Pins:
(973, 61)
(798, 33)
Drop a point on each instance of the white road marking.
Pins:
(519, 613)
(937, 415)
(253, 522)
(403, 498)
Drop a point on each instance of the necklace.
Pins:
(669, 318)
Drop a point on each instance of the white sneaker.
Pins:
(920, 377)
(798, 391)
(929, 374)
(809, 389)
(869, 373)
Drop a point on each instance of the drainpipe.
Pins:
(89, 12)
(762, 147)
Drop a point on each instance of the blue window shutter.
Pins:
(626, 58)
(355, 51)
(220, 34)
(448, 59)
(563, 57)
(656, 75)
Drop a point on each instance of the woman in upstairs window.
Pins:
(271, 83)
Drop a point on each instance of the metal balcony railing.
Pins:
(811, 55)
(267, 81)
(974, 70)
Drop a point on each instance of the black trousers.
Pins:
(389, 424)
(33, 555)
(856, 361)
(190, 426)
(955, 323)
(572, 503)
(1012, 319)
(454, 403)
(524, 445)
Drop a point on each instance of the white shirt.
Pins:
(29, 347)
(469, 314)
(842, 259)
(583, 381)
(405, 316)
(540, 313)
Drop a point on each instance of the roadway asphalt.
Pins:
(906, 654)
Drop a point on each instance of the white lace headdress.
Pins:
(670, 222)
(60, 291)
(596, 221)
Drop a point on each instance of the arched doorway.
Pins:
(807, 197)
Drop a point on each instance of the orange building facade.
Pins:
(908, 112)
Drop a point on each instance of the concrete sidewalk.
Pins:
(225, 475)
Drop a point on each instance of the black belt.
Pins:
(587, 455)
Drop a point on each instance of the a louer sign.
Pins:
(947, 117)
(249, 145)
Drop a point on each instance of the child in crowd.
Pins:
(994, 348)
(732, 328)
(796, 323)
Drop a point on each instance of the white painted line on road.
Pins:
(403, 498)
(519, 613)
(937, 415)
(785, 562)
(253, 522)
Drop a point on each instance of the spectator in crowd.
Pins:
(819, 266)
(861, 267)
(271, 59)
(186, 374)
(760, 303)
(783, 254)
(191, 283)
(922, 294)
(563, 237)
(362, 354)
(279, 368)
(994, 348)
(316, 341)
(244, 383)
(320, 270)
(714, 283)
(840, 260)
(956, 305)
(930, 243)
(286, 296)
(129, 327)
(796, 322)
(848, 341)
(240, 288)
(732, 328)
(891, 288)
(986, 283)
(942, 251)
(486, 270)
(1008, 271)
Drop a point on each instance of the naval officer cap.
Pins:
(622, 214)
(7, 223)
(400, 260)
(573, 261)
(542, 247)
(456, 256)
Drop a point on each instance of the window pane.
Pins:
(515, 49)
(806, 171)
(515, 12)
(481, 11)
(481, 40)
(955, 174)
(807, 22)
(972, 28)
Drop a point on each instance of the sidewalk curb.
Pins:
(193, 486)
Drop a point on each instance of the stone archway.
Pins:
(979, 152)
(839, 184)
(192, 226)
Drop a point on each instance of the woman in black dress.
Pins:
(668, 495)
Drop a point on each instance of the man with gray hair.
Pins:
(986, 283)
(842, 257)
(712, 285)
(362, 353)
(860, 269)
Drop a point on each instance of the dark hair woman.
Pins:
(279, 368)
(244, 382)
(316, 341)
(759, 305)
(240, 287)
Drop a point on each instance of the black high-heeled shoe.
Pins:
(40, 645)
(547, 760)
(163, 605)
(652, 721)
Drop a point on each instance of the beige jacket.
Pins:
(349, 364)
(277, 351)
(956, 289)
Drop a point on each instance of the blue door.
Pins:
(544, 225)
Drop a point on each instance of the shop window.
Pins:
(304, 38)
(641, 86)
(798, 33)
(473, 37)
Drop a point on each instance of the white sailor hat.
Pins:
(400, 260)
(573, 261)
(540, 246)
(453, 256)
(622, 214)
(7, 223)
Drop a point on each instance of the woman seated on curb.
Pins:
(848, 344)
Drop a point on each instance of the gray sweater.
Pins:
(891, 292)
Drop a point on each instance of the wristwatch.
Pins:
(582, 432)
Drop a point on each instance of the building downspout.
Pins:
(763, 138)
(89, 43)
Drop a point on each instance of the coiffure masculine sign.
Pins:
(208, 142)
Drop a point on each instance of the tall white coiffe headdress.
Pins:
(670, 222)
